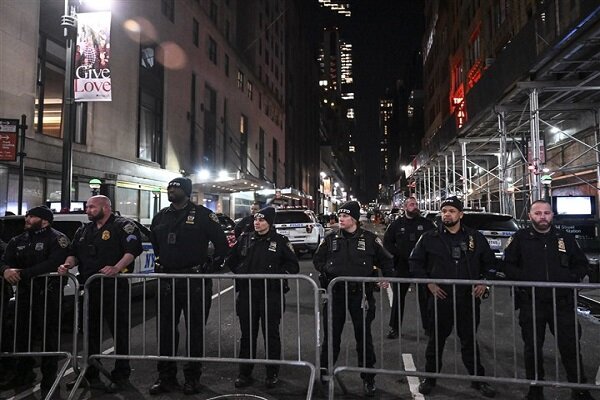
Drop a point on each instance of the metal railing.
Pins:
(34, 315)
(500, 349)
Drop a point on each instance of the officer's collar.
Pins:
(187, 207)
(533, 232)
(40, 231)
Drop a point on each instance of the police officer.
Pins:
(453, 251)
(400, 239)
(543, 253)
(106, 245)
(246, 224)
(352, 251)
(262, 251)
(39, 250)
(180, 237)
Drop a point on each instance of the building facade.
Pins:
(198, 89)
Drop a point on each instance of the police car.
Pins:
(301, 228)
(68, 223)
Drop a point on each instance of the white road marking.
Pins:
(413, 381)
(598, 377)
(68, 372)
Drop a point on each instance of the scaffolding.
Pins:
(540, 137)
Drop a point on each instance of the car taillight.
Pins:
(309, 228)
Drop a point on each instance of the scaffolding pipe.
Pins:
(534, 112)
(453, 172)
(463, 150)
(446, 175)
(438, 198)
(597, 140)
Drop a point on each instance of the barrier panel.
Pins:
(496, 357)
(39, 319)
(209, 333)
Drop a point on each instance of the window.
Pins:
(240, 80)
(168, 9)
(226, 65)
(250, 90)
(261, 154)
(212, 50)
(227, 29)
(210, 127)
(49, 94)
(275, 160)
(150, 111)
(267, 57)
(243, 143)
(214, 11)
(195, 32)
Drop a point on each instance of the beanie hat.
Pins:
(42, 212)
(453, 202)
(267, 213)
(351, 208)
(184, 183)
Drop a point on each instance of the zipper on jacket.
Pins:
(546, 260)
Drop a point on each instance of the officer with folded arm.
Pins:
(544, 253)
(37, 251)
(262, 251)
(180, 235)
(355, 252)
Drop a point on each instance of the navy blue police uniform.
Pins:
(554, 256)
(37, 253)
(180, 239)
(259, 302)
(352, 255)
(440, 254)
(96, 248)
(400, 239)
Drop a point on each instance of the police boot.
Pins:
(369, 387)
(581, 395)
(392, 334)
(535, 393)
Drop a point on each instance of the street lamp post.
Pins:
(69, 23)
(95, 185)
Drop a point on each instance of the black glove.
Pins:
(213, 266)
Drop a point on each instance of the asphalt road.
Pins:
(500, 343)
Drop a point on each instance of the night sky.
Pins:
(385, 35)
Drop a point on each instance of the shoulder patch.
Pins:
(378, 241)
(129, 228)
(214, 217)
(290, 246)
(510, 239)
(63, 241)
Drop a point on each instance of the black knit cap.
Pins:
(42, 212)
(351, 208)
(453, 202)
(267, 213)
(184, 183)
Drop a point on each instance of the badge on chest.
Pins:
(362, 244)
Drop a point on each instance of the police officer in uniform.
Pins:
(400, 239)
(246, 224)
(352, 251)
(262, 251)
(453, 251)
(180, 237)
(107, 245)
(37, 251)
(544, 253)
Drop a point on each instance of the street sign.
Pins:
(8, 139)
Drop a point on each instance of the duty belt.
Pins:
(161, 269)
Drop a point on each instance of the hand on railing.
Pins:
(12, 275)
(436, 290)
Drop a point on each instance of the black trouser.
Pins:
(37, 312)
(6, 336)
(103, 308)
(465, 329)
(254, 309)
(361, 316)
(567, 336)
(173, 300)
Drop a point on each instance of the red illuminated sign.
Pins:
(8, 139)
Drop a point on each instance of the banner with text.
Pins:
(92, 57)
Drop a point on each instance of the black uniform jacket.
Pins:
(36, 253)
(551, 257)
(246, 224)
(180, 238)
(344, 254)
(401, 237)
(432, 257)
(271, 253)
(96, 248)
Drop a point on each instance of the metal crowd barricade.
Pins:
(500, 351)
(22, 326)
(221, 321)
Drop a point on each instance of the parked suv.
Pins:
(496, 228)
(301, 228)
